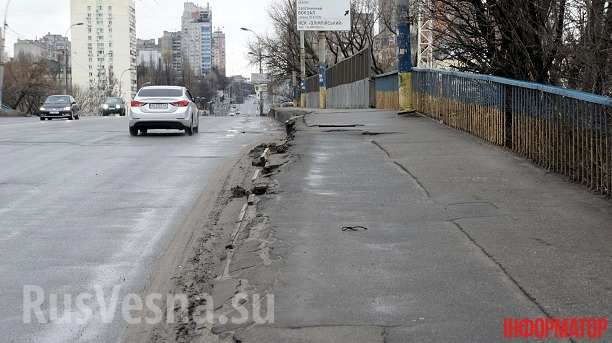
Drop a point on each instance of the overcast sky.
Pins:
(29, 19)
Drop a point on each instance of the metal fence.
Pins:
(564, 131)
(355, 68)
(312, 84)
(348, 84)
(387, 91)
(312, 91)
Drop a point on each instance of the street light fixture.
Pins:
(121, 78)
(260, 59)
(65, 53)
(73, 25)
(2, 39)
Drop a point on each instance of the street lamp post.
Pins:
(121, 79)
(65, 53)
(2, 39)
(260, 58)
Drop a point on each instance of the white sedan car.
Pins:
(163, 107)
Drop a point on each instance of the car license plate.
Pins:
(54, 112)
(118, 106)
(158, 106)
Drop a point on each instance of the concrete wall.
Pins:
(352, 95)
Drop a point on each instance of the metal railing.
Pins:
(564, 131)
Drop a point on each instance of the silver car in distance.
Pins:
(163, 107)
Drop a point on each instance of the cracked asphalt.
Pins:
(83, 204)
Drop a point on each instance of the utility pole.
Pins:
(261, 105)
(294, 84)
(260, 58)
(322, 70)
(303, 69)
(2, 64)
(404, 57)
(66, 57)
(66, 72)
(2, 41)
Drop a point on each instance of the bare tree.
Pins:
(512, 38)
(27, 83)
(585, 60)
(89, 99)
(281, 50)
(342, 45)
(563, 42)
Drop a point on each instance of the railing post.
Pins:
(322, 70)
(303, 69)
(608, 148)
(404, 57)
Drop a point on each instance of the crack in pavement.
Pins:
(382, 148)
(503, 269)
(416, 179)
(474, 203)
(403, 168)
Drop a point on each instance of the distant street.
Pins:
(85, 204)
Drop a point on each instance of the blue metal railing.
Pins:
(565, 131)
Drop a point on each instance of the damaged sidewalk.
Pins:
(368, 227)
(399, 229)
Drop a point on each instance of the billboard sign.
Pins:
(324, 15)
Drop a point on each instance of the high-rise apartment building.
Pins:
(30, 49)
(104, 48)
(49, 47)
(57, 46)
(171, 50)
(149, 53)
(197, 38)
(219, 51)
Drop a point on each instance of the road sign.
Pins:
(261, 88)
(260, 78)
(324, 15)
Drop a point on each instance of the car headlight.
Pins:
(41, 109)
(67, 108)
(105, 106)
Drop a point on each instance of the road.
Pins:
(83, 204)
(250, 107)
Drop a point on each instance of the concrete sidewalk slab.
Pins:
(460, 234)
(341, 334)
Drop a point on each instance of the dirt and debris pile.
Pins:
(240, 192)
(258, 150)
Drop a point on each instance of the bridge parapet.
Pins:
(565, 131)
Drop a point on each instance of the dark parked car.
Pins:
(59, 106)
(113, 106)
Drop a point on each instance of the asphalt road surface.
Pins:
(83, 204)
